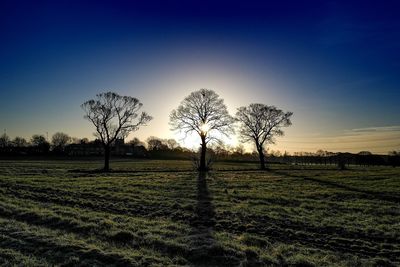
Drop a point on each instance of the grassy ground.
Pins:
(162, 213)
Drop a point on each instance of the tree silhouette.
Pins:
(203, 112)
(19, 142)
(60, 140)
(155, 143)
(40, 142)
(114, 116)
(4, 140)
(172, 144)
(260, 123)
(136, 142)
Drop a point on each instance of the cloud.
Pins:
(375, 139)
(395, 128)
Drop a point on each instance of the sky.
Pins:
(334, 64)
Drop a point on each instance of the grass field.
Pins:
(148, 213)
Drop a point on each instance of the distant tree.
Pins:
(19, 142)
(239, 150)
(84, 141)
(364, 153)
(136, 142)
(221, 150)
(60, 140)
(172, 144)
(320, 153)
(275, 153)
(38, 139)
(155, 143)
(114, 116)
(40, 142)
(4, 140)
(76, 140)
(259, 124)
(204, 113)
(394, 158)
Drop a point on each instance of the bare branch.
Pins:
(202, 107)
(260, 123)
(114, 116)
(204, 113)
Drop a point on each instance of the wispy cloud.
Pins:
(395, 128)
(375, 139)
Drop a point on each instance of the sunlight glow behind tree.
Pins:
(204, 113)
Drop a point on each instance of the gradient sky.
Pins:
(335, 64)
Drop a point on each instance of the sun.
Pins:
(192, 140)
(204, 128)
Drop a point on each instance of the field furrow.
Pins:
(138, 216)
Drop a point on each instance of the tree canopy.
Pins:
(260, 124)
(60, 140)
(114, 116)
(204, 113)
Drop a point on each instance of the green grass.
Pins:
(161, 213)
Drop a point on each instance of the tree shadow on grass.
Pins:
(204, 249)
(363, 193)
(368, 194)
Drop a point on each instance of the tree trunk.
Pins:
(106, 158)
(262, 158)
(203, 166)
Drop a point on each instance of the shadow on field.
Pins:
(366, 194)
(204, 249)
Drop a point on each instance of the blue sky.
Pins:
(335, 64)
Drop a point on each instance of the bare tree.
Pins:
(84, 141)
(4, 140)
(259, 124)
(239, 150)
(172, 144)
(155, 143)
(19, 142)
(60, 140)
(204, 113)
(40, 142)
(114, 116)
(136, 142)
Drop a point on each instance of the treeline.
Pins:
(38, 144)
(62, 144)
(363, 158)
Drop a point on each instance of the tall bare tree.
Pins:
(259, 124)
(114, 116)
(204, 113)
